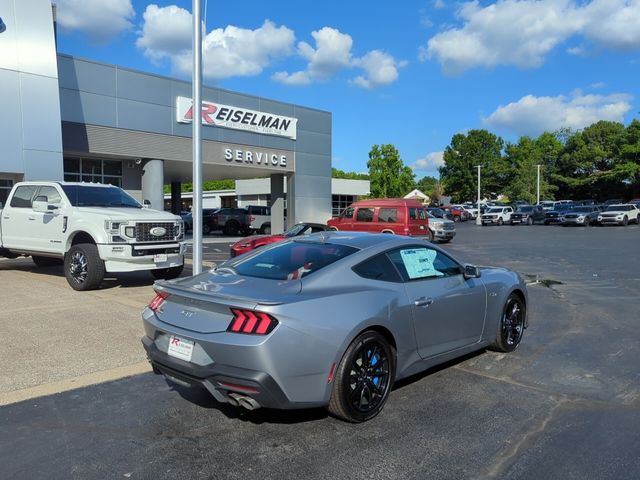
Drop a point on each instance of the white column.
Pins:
(153, 183)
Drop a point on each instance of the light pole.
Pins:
(478, 219)
(538, 194)
(197, 140)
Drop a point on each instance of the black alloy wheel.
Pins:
(512, 324)
(363, 379)
(83, 267)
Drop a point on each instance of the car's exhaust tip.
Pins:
(236, 400)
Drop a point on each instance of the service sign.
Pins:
(219, 115)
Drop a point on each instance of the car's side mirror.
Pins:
(41, 204)
(146, 203)
(471, 271)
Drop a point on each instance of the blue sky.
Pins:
(410, 73)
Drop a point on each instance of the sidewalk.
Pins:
(56, 339)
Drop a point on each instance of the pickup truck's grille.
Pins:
(448, 226)
(143, 232)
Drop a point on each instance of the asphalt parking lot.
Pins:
(79, 401)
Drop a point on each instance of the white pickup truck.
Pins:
(90, 228)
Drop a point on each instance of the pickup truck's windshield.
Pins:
(89, 196)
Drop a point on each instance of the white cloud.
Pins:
(439, 4)
(613, 23)
(523, 32)
(332, 54)
(100, 20)
(228, 52)
(380, 67)
(533, 115)
(431, 162)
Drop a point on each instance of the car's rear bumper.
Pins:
(221, 380)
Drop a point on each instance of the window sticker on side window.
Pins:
(419, 263)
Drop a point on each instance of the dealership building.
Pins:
(65, 118)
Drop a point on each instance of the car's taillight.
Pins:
(251, 323)
(158, 300)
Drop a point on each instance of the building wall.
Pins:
(30, 135)
(111, 97)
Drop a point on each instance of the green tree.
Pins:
(459, 173)
(427, 184)
(523, 159)
(390, 177)
(592, 164)
(335, 173)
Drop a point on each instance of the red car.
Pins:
(255, 241)
(458, 213)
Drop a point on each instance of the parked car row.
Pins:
(564, 214)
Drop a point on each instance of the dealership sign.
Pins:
(219, 115)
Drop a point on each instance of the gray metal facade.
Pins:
(112, 111)
(30, 132)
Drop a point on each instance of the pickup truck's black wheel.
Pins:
(500, 222)
(431, 237)
(231, 228)
(83, 267)
(265, 229)
(167, 273)
(46, 261)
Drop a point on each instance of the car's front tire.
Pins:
(500, 222)
(512, 324)
(363, 378)
(83, 267)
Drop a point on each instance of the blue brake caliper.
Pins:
(376, 379)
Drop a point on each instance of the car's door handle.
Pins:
(423, 302)
(32, 218)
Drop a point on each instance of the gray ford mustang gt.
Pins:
(332, 319)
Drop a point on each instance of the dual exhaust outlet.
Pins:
(238, 400)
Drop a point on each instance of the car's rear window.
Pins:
(291, 260)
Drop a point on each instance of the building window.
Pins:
(5, 188)
(340, 202)
(93, 170)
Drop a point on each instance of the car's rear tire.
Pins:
(363, 378)
(456, 218)
(511, 325)
(265, 229)
(83, 268)
(44, 262)
(206, 229)
(167, 273)
(231, 228)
